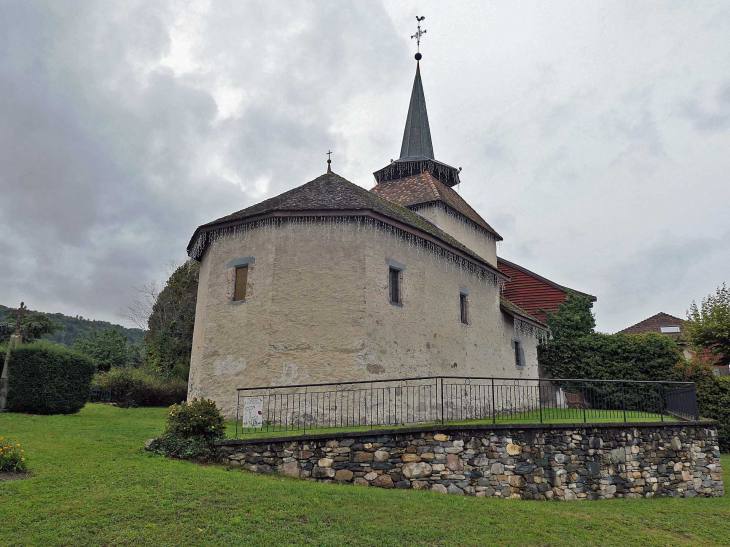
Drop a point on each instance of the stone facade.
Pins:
(541, 462)
(318, 310)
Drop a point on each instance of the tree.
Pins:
(573, 319)
(108, 348)
(34, 325)
(169, 337)
(708, 326)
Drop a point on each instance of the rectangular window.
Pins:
(464, 308)
(241, 276)
(395, 295)
(518, 359)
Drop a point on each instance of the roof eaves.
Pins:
(513, 309)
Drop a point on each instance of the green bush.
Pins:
(134, 387)
(12, 457)
(713, 394)
(192, 429)
(651, 356)
(47, 379)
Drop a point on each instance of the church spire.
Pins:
(416, 152)
(417, 135)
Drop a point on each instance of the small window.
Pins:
(518, 357)
(395, 293)
(464, 308)
(669, 330)
(241, 277)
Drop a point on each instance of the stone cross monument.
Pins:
(15, 340)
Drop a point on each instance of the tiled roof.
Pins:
(524, 270)
(331, 193)
(514, 309)
(654, 324)
(425, 188)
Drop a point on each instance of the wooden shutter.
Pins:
(241, 278)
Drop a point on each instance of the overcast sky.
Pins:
(594, 136)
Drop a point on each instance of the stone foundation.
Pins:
(540, 461)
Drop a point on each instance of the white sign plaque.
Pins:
(253, 415)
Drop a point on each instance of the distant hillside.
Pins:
(74, 326)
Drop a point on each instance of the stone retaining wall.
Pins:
(563, 462)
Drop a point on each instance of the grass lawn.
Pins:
(550, 416)
(94, 485)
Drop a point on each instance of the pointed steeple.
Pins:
(416, 152)
(417, 135)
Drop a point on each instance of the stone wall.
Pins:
(542, 462)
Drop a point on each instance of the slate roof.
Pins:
(654, 323)
(330, 192)
(425, 188)
(513, 309)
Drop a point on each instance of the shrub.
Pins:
(133, 387)
(713, 394)
(649, 356)
(12, 457)
(47, 379)
(192, 429)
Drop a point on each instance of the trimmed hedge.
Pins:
(651, 356)
(133, 387)
(48, 379)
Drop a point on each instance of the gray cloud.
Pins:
(593, 136)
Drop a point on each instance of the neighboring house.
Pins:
(672, 327)
(533, 293)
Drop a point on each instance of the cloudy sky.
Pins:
(594, 136)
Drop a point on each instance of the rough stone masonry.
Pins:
(541, 462)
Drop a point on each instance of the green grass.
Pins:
(94, 485)
(550, 416)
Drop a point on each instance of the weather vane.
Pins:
(418, 35)
(329, 161)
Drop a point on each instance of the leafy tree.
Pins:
(708, 325)
(169, 339)
(573, 319)
(108, 348)
(33, 324)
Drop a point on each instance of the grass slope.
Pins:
(94, 485)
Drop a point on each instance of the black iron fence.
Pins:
(454, 399)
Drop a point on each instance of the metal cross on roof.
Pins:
(21, 311)
(419, 33)
(329, 161)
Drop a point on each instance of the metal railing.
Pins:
(454, 399)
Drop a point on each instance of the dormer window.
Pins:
(672, 329)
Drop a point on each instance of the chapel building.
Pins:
(329, 282)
